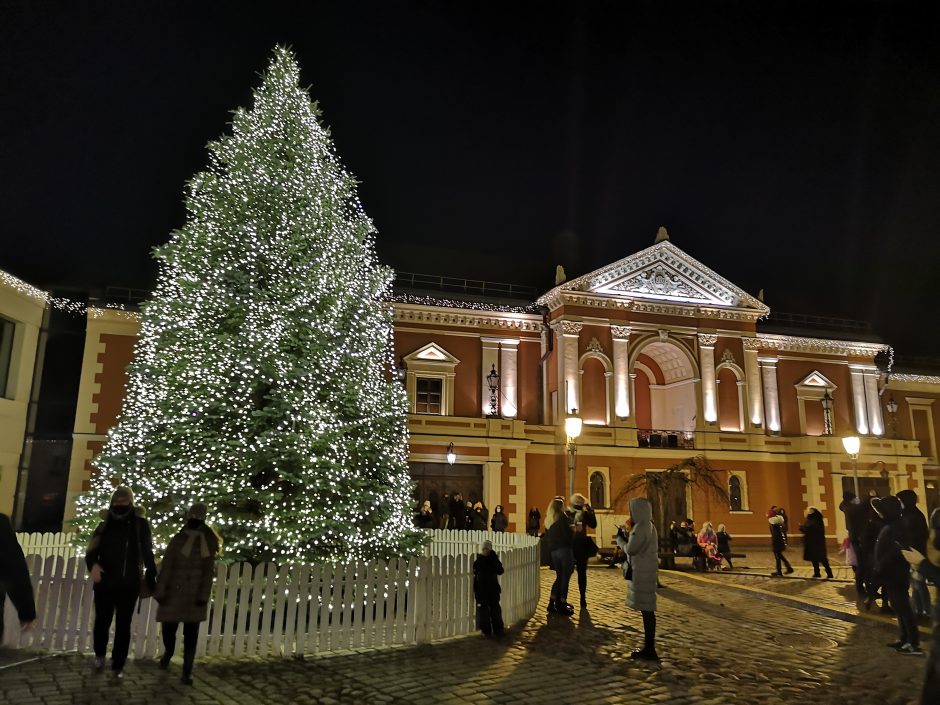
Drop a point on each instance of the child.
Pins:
(724, 545)
(486, 590)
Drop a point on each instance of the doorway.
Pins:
(434, 480)
(865, 485)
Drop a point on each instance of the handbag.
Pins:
(545, 551)
(627, 570)
(591, 547)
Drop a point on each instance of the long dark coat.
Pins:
(14, 574)
(185, 579)
(814, 538)
(486, 570)
(123, 547)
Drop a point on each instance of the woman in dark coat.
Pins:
(486, 590)
(778, 542)
(184, 586)
(14, 577)
(560, 538)
(535, 520)
(929, 567)
(499, 522)
(814, 542)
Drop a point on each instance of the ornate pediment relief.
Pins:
(661, 273)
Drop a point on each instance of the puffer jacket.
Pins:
(642, 550)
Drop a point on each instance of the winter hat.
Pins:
(488, 544)
(198, 511)
(848, 496)
(888, 508)
(772, 512)
(908, 498)
(775, 520)
(123, 491)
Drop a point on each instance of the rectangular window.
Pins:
(7, 329)
(428, 395)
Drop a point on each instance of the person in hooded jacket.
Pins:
(929, 567)
(890, 570)
(486, 590)
(871, 528)
(184, 586)
(14, 577)
(778, 542)
(814, 542)
(118, 556)
(582, 518)
(499, 523)
(917, 527)
(534, 522)
(642, 550)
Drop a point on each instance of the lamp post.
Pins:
(451, 455)
(892, 407)
(827, 413)
(492, 380)
(572, 430)
(852, 444)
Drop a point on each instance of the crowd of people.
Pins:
(453, 512)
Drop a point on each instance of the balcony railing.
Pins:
(664, 438)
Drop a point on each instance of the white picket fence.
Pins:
(268, 610)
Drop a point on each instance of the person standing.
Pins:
(814, 542)
(778, 542)
(854, 522)
(917, 527)
(458, 512)
(560, 537)
(929, 567)
(425, 518)
(583, 546)
(14, 577)
(891, 572)
(119, 556)
(445, 512)
(184, 586)
(534, 522)
(642, 550)
(724, 545)
(499, 523)
(486, 590)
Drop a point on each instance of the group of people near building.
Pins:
(123, 570)
(708, 547)
(453, 512)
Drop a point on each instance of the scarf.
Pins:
(191, 536)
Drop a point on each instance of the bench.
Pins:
(667, 559)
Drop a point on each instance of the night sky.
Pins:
(793, 147)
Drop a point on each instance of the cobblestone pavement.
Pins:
(723, 639)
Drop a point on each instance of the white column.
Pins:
(621, 338)
(706, 358)
(509, 378)
(768, 367)
(858, 398)
(755, 405)
(492, 484)
(875, 421)
(488, 359)
(569, 377)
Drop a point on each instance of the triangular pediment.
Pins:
(816, 379)
(663, 273)
(432, 352)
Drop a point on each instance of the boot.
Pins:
(551, 605)
(647, 653)
(165, 660)
(188, 658)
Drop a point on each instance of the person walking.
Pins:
(534, 522)
(724, 545)
(891, 572)
(778, 542)
(499, 522)
(486, 590)
(814, 542)
(14, 578)
(560, 537)
(119, 557)
(929, 567)
(583, 546)
(184, 586)
(642, 550)
(917, 527)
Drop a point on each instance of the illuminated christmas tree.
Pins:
(261, 378)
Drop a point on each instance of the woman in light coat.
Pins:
(642, 550)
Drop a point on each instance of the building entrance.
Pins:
(434, 480)
(865, 485)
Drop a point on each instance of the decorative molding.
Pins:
(663, 335)
(566, 327)
(410, 313)
(820, 345)
(620, 332)
(555, 299)
(750, 343)
(917, 379)
(707, 340)
(594, 346)
(659, 282)
(728, 356)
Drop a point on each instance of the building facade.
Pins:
(660, 357)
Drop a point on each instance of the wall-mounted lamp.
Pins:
(451, 455)
(827, 413)
(402, 370)
(892, 407)
(492, 381)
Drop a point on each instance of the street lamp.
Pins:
(827, 413)
(852, 444)
(572, 430)
(492, 379)
(451, 455)
(892, 406)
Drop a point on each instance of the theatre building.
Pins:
(660, 358)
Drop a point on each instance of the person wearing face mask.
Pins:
(929, 567)
(119, 557)
(184, 587)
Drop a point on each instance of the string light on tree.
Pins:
(261, 383)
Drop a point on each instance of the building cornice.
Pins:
(556, 298)
(915, 379)
(466, 318)
(790, 343)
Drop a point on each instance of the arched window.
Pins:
(735, 494)
(598, 489)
